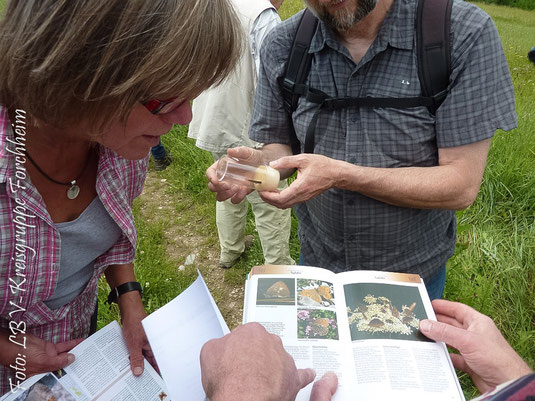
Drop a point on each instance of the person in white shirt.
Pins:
(221, 118)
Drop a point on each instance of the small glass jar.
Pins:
(259, 177)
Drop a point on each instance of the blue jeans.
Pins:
(435, 285)
(158, 151)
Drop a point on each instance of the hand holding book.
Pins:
(39, 356)
(484, 353)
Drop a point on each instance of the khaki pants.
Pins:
(273, 226)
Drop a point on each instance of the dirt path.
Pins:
(188, 236)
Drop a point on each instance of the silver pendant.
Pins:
(73, 191)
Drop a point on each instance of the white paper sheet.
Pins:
(177, 332)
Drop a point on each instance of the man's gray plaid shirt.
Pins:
(343, 230)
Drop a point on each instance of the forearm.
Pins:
(274, 151)
(453, 184)
(132, 313)
(440, 187)
(120, 274)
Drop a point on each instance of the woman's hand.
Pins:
(132, 312)
(41, 356)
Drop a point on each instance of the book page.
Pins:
(177, 331)
(101, 371)
(304, 306)
(390, 355)
(47, 386)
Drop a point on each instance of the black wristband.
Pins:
(116, 292)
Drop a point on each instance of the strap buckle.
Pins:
(116, 292)
(334, 103)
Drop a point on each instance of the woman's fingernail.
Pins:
(138, 371)
(70, 358)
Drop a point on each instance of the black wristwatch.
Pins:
(123, 289)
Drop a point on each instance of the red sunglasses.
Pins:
(156, 106)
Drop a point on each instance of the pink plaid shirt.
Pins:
(30, 245)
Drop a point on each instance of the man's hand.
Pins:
(251, 364)
(233, 192)
(484, 353)
(132, 312)
(41, 356)
(324, 388)
(315, 175)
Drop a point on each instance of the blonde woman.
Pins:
(86, 89)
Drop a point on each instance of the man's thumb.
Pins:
(241, 152)
(442, 332)
(305, 377)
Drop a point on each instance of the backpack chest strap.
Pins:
(325, 102)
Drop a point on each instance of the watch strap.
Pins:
(116, 292)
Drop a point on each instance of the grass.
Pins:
(494, 267)
(523, 4)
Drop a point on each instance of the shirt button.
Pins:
(103, 196)
(351, 202)
(129, 231)
(352, 237)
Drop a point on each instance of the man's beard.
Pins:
(344, 19)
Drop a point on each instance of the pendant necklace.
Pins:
(74, 189)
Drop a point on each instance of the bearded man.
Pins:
(380, 189)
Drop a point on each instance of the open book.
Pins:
(363, 325)
(100, 372)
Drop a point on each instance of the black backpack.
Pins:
(433, 52)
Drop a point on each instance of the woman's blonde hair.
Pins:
(65, 61)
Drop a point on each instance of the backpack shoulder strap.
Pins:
(298, 64)
(297, 69)
(433, 48)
